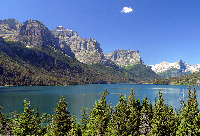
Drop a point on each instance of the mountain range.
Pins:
(180, 68)
(185, 67)
(34, 33)
(60, 56)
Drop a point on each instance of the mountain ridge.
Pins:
(34, 33)
(60, 57)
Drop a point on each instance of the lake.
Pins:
(78, 96)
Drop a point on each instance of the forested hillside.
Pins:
(142, 72)
(21, 65)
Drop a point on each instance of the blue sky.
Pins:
(162, 30)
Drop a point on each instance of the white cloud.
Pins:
(127, 10)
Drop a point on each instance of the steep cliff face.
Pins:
(32, 33)
(8, 27)
(86, 50)
(125, 57)
(35, 33)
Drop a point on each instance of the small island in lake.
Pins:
(105, 92)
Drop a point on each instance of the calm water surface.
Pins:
(47, 97)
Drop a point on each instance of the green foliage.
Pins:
(26, 123)
(98, 118)
(146, 115)
(189, 117)
(105, 92)
(61, 120)
(2, 122)
(141, 72)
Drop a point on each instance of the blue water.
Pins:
(78, 96)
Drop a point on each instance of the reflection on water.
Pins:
(47, 97)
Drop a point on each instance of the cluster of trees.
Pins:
(128, 117)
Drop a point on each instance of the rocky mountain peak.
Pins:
(62, 33)
(183, 65)
(34, 33)
(125, 57)
(8, 27)
(86, 50)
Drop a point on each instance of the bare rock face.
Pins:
(8, 27)
(32, 33)
(35, 33)
(125, 57)
(86, 50)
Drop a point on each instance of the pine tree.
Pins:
(25, 123)
(2, 121)
(61, 119)
(134, 114)
(189, 117)
(4, 124)
(98, 118)
(121, 114)
(145, 117)
(162, 121)
(75, 127)
(124, 120)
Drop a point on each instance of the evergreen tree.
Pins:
(134, 114)
(84, 119)
(163, 121)
(98, 118)
(189, 117)
(25, 123)
(124, 120)
(2, 121)
(121, 114)
(145, 117)
(75, 127)
(61, 119)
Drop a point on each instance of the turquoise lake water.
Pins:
(78, 96)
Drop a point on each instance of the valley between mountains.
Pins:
(31, 54)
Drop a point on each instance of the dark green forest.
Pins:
(129, 117)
